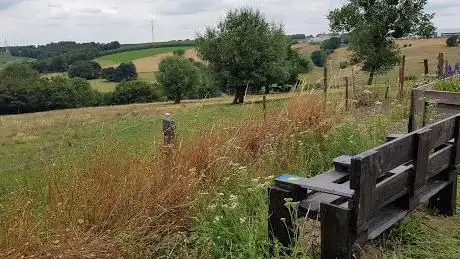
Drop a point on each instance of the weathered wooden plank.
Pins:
(442, 97)
(394, 187)
(364, 171)
(337, 235)
(419, 105)
(403, 150)
(386, 219)
(440, 161)
(280, 225)
(431, 190)
(392, 137)
(421, 161)
(342, 164)
(442, 132)
(456, 155)
(310, 206)
(321, 183)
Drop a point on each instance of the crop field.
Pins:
(131, 56)
(415, 54)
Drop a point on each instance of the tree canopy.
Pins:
(178, 76)
(373, 26)
(245, 51)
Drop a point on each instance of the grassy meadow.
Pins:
(98, 182)
(415, 51)
(130, 56)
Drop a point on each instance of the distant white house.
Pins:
(321, 37)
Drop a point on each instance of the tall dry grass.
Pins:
(108, 203)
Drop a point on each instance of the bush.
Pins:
(22, 90)
(63, 93)
(405, 46)
(207, 86)
(343, 64)
(452, 41)
(107, 73)
(319, 58)
(177, 77)
(410, 45)
(331, 44)
(366, 98)
(85, 69)
(135, 92)
(179, 52)
(124, 72)
(450, 86)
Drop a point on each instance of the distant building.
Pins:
(449, 34)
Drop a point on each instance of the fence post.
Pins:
(353, 81)
(387, 89)
(264, 103)
(425, 63)
(402, 76)
(346, 93)
(412, 122)
(441, 65)
(169, 128)
(325, 84)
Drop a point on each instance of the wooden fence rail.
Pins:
(366, 194)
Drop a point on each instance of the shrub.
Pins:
(177, 77)
(179, 52)
(18, 85)
(107, 73)
(331, 44)
(319, 58)
(124, 72)
(366, 98)
(343, 64)
(410, 45)
(405, 46)
(85, 69)
(135, 92)
(452, 41)
(63, 93)
(207, 86)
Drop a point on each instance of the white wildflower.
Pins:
(212, 206)
(233, 197)
(367, 92)
(378, 103)
(221, 194)
(242, 220)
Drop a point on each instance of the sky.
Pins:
(33, 22)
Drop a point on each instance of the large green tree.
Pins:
(178, 76)
(374, 24)
(245, 51)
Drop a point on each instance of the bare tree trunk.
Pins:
(371, 78)
(239, 96)
(267, 89)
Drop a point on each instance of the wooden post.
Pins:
(425, 64)
(325, 84)
(402, 76)
(337, 233)
(441, 65)
(169, 130)
(353, 81)
(387, 93)
(265, 107)
(346, 93)
(412, 122)
(280, 221)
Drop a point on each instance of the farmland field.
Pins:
(415, 54)
(98, 182)
(130, 56)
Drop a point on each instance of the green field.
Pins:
(105, 86)
(98, 182)
(130, 56)
(5, 60)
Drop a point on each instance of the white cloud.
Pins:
(128, 21)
